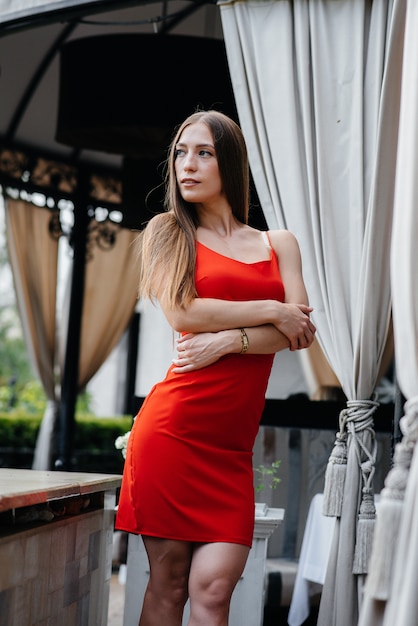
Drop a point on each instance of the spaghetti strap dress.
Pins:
(188, 470)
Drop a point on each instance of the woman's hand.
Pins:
(195, 351)
(293, 321)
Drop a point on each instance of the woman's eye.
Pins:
(205, 153)
(178, 152)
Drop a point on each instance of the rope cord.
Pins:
(358, 419)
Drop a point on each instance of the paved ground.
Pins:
(116, 601)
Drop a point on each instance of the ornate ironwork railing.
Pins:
(59, 187)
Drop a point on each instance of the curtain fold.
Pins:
(317, 95)
(33, 255)
(110, 295)
(390, 592)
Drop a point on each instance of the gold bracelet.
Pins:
(244, 341)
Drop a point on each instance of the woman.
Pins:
(188, 481)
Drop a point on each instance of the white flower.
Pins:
(121, 443)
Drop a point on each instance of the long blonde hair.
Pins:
(167, 246)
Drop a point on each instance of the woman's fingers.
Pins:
(298, 327)
(195, 351)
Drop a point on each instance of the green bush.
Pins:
(91, 433)
(94, 441)
(18, 430)
(99, 433)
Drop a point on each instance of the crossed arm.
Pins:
(213, 325)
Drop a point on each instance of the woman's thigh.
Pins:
(218, 567)
(169, 562)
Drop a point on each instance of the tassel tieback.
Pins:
(354, 420)
(335, 477)
(365, 446)
(365, 531)
(391, 505)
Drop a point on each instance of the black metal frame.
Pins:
(79, 11)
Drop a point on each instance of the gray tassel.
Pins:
(387, 525)
(335, 477)
(365, 531)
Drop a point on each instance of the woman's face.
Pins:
(196, 165)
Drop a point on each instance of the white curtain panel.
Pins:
(307, 78)
(317, 95)
(391, 596)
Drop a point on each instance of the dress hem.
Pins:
(241, 542)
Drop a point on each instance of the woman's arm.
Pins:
(287, 250)
(195, 351)
(212, 315)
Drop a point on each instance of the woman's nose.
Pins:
(189, 161)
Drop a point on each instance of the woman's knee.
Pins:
(175, 589)
(216, 595)
(169, 570)
(215, 571)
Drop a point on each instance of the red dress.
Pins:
(188, 470)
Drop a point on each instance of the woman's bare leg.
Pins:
(215, 570)
(166, 593)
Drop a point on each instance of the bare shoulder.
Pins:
(284, 242)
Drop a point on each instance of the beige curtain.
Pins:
(317, 86)
(110, 296)
(33, 257)
(390, 594)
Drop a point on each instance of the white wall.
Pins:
(156, 348)
(107, 387)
